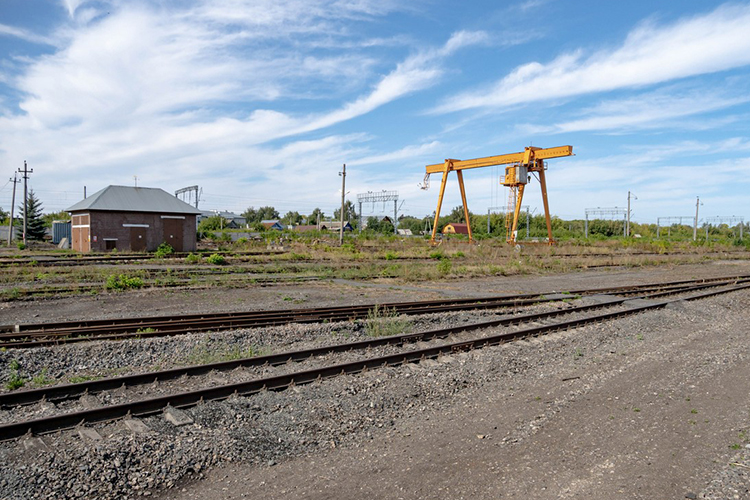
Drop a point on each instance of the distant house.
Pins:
(336, 226)
(231, 219)
(132, 218)
(272, 224)
(456, 228)
(404, 232)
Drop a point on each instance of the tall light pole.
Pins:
(627, 230)
(343, 195)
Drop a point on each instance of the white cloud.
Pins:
(665, 108)
(651, 54)
(25, 35)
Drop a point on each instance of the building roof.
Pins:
(456, 228)
(134, 199)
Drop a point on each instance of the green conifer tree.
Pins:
(34, 221)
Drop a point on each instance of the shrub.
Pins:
(216, 259)
(122, 282)
(444, 266)
(21, 245)
(15, 381)
(391, 256)
(163, 250)
(193, 258)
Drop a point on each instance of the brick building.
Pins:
(132, 218)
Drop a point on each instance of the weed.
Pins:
(437, 255)
(204, 353)
(164, 250)
(578, 353)
(216, 259)
(693, 411)
(77, 379)
(459, 255)
(735, 446)
(391, 256)
(637, 410)
(42, 379)
(21, 245)
(119, 282)
(639, 336)
(146, 330)
(444, 266)
(193, 258)
(15, 381)
(384, 322)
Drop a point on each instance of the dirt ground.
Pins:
(655, 421)
(658, 417)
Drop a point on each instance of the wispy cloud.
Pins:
(666, 108)
(25, 35)
(651, 54)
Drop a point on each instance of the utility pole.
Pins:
(343, 196)
(695, 222)
(627, 231)
(15, 181)
(26, 173)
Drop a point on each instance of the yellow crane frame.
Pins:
(516, 178)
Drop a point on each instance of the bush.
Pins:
(444, 266)
(216, 259)
(193, 258)
(121, 282)
(21, 245)
(163, 250)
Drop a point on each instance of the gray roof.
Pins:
(134, 199)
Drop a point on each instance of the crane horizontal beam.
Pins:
(535, 153)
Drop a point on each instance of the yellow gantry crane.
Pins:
(516, 178)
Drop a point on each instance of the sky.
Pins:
(261, 102)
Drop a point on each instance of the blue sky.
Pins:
(260, 102)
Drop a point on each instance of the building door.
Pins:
(80, 233)
(173, 233)
(138, 239)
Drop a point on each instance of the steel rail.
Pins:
(68, 391)
(27, 336)
(191, 398)
(141, 321)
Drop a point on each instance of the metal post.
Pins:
(527, 223)
(627, 230)
(360, 216)
(586, 226)
(343, 196)
(658, 227)
(695, 223)
(488, 221)
(26, 173)
(395, 217)
(15, 181)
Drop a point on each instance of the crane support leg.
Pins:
(463, 200)
(516, 212)
(543, 183)
(440, 200)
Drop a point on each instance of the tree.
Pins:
(213, 223)
(53, 216)
(34, 221)
(350, 213)
(292, 218)
(457, 214)
(267, 213)
(3, 215)
(250, 215)
(313, 218)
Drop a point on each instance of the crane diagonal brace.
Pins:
(531, 159)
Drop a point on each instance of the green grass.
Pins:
(15, 381)
(212, 352)
(121, 282)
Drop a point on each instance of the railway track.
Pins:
(403, 349)
(44, 334)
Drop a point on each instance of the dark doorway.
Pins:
(173, 233)
(138, 239)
